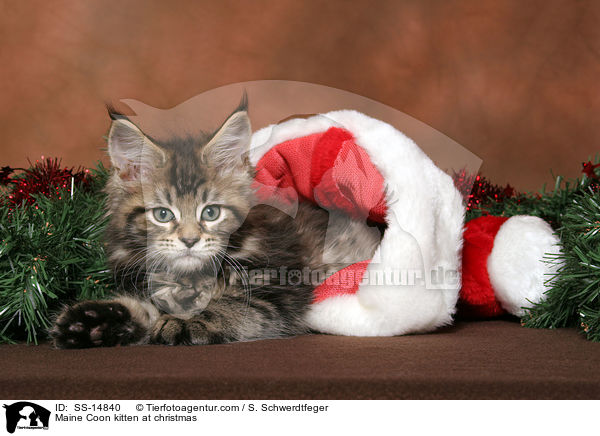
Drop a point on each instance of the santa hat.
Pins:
(347, 161)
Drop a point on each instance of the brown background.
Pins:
(515, 82)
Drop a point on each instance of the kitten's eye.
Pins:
(163, 215)
(210, 213)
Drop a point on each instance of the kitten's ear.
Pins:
(227, 147)
(131, 152)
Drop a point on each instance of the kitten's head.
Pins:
(177, 202)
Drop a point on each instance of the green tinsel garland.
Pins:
(574, 297)
(51, 252)
(573, 210)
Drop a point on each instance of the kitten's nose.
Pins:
(189, 242)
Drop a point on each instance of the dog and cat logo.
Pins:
(26, 415)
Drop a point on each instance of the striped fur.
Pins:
(197, 281)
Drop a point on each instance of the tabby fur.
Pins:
(197, 281)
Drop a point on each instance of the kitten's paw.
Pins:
(169, 330)
(95, 324)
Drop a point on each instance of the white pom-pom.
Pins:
(516, 266)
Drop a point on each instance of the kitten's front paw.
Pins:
(169, 330)
(95, 324)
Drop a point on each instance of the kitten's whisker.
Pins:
(139, 256)
(243, 275)
(234, 246)
(151, 274)
(237, 266)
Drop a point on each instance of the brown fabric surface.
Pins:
(514, 81)
(488, 359)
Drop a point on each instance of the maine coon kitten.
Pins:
(185, 237)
